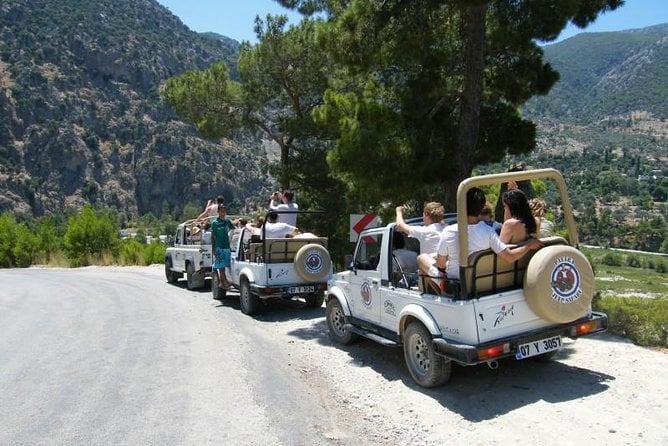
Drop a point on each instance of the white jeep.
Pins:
(495, 310)
(277, 268)
(190, 254)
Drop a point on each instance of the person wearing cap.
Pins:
(220, 241)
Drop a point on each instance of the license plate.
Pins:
(301, 289)
(538, 347)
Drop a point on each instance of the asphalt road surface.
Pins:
(110, 355)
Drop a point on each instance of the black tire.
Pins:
(312, 263)
(249, 302)
(315, 300)
(191, 282)
(218, 293)
(336, 323)
(426, 367)
(170, 275)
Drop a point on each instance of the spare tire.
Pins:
(312, 263)
(559, 284)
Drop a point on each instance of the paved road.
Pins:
(100, 356)
(118, 356)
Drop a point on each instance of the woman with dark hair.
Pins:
(519, 223)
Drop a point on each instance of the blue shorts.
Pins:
(222, 258)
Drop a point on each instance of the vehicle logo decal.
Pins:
(565, 281)
(313, 262)
(503, 313)
(389, 308)
(365, 291)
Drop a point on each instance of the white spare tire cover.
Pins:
(559, 284)
(312, 263)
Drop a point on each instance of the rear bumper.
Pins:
(502, 348)
(288, 291)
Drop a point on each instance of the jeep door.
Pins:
(365, 281)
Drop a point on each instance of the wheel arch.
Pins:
(413, 312)
(337, 293)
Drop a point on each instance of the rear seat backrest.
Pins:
(282, 250)
(488, 273)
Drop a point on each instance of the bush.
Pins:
(612, 259)
(154, 253)
(643, 320)
(633, 261)
(89, 236)
(130, 252)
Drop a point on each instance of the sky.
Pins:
(235, 18)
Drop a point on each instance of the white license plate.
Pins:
(301, 289)
(538, 347)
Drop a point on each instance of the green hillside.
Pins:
(607, 74)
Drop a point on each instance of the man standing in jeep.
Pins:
(220, 241)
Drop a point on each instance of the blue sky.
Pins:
(234, 18)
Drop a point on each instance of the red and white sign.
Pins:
(360, 222)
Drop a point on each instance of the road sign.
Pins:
(359, 222)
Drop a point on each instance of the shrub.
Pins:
(643, 320)
(89, 236)
(611, 259)
(154, 253)
(130, 252)
(633, 261)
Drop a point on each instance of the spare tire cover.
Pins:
(312, 263)
(559, 284)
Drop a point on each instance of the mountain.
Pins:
(607, 74)
(81, 119)
(612, 97)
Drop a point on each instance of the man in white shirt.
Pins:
(430, 232)
(288, 208)
(481, 236)
(277, 229)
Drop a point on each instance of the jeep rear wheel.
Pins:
(218, 293)
(171, 276)
(336, 323)
(315, 300)
(191, 282)
(426, 367)
(249, 302)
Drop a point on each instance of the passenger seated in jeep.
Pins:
(276, 229)
(481, 237)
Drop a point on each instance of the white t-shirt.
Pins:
(277, 230)
(428, 236)
(291, 218)
(481, 236)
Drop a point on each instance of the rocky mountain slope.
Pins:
(81, 119)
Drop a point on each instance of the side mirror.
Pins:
(348, 260)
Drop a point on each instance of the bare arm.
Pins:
(401, 223)
(511, 255)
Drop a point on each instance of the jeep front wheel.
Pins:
(337, 324)
(426, 367)
(249, 302)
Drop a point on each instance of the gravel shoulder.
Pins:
(154, 363)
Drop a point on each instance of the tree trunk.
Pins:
(473, 23)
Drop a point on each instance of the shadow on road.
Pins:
(479, 393)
